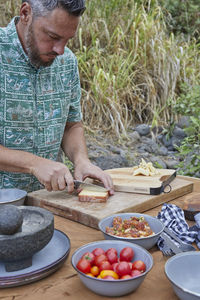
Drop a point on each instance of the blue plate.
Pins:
(44, 262)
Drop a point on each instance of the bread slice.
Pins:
(92, 196)
(192, 204)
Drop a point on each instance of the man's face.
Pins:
(47, 36)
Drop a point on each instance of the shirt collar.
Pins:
(16, 42)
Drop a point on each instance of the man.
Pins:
(40, 99)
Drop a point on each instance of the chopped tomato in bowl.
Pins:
(140, 229)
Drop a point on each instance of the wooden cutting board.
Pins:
(124, 181)
(89, 214)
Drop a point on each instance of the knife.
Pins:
(171, 244)
(89, 186)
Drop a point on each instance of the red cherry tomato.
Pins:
(98, 251)
(90, 257)
(126, 277)
(99, 259)
(123, 268)
(105, 265)
(114, 267)
(111, 250)
(131, 265)
(139, 265)
(112, 257)
(126, 254)
(84, 265)
(135, 273)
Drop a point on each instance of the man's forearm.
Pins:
(73, 143)
(16, 160)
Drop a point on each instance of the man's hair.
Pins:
(43, 7)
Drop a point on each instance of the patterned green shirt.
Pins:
(34, 104)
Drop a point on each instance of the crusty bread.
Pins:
(92, 196)
(192, 204)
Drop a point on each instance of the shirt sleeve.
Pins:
(75, 114)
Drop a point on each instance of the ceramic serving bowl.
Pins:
(12, 196)
(113, 288)
(145, 242)
(183, 271)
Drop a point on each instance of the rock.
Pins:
(151, 144)
(157, 130)
(176, 142)
(162, 151)
(184, 122)
(179, 133)
(11, 219)
(157, 161)
(117, 150)
(143, 129)
(145, 155)
(171, 163)
(167, 141)
(134, 136)
(144, 148)
(111, 162)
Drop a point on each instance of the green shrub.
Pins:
(182, 16)
(188, 105)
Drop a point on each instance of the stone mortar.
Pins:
(36, 232)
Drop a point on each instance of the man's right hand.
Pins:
(53, 175)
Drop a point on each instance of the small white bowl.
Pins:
(12, 196)
(183, 271)
(113, 288)
(145, 242)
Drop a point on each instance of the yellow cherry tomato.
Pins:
(109, 273)
(90, 274)
(94, 270)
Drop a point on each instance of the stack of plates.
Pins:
(44, 262)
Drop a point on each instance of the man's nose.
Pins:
(59, 48)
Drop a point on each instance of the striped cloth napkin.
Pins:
(173, 217)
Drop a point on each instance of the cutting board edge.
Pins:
(66, 212)
(157, 201)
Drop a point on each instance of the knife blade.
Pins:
(89, 186)
(171, 244)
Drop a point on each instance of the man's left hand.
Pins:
(87, 169)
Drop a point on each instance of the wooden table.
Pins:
(65, 284)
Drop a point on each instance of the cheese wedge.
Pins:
(92, 196)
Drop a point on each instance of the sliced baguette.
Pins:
(92, 196)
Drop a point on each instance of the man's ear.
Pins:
(25, 13)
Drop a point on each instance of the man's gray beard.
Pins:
(32, 51)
